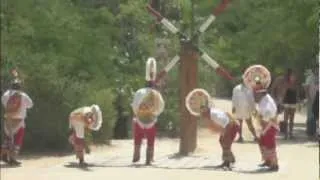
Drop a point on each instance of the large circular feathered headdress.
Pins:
(196, 99)
(147, 104)
(257, 77)
(97, 118)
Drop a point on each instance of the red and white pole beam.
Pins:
(168, 67)
(163, 20)
(220, 70)
(218, 10)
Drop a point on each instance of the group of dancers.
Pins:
(250, 99)
(147, 105)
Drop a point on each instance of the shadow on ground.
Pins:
(9, 166)
(92, 166)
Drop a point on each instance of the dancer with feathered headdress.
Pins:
(16, 103)
(147, 105)
(258, 78)
(83, 120)
(198, 103)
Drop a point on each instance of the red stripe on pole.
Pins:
(224, 73)
(159, 76)
(221, 7)
(154, 12)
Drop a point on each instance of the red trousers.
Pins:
(140, 132)
(77, 143)
(226, 139)
(17, 140)
(267, 145)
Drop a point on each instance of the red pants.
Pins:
(77, 143)
(226, 139)
(267, 145)
(17, 140)
(140, 132)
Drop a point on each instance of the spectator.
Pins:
(311, 88)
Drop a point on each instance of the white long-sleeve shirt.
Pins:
(242, 101)
(220, 117)
(267, 108)
(26, 103)
(76, 123)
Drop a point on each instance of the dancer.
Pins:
(147, 105)
(16, 103)
(81, 121)
(221, 122)
(258, 78)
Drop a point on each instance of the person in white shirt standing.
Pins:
(311, 87)
(242, 107)
(15, 102)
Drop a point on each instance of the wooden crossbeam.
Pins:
(219, 69)
(221, 8)
(165, 22)
(218, 10)
(169, 66)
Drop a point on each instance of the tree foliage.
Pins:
(72, 53)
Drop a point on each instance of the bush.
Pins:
(47, 123)
(104, 98)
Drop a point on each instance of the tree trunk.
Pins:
(188, 82)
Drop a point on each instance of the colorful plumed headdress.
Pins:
(257, 77)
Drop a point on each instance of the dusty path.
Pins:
(298, 161)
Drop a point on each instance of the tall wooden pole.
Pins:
(189, 54)
(188, 81)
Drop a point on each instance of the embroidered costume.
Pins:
(147, 105)
(198, 103)
(16, 104)
(266, 115)
(258, 78)
(81, 121)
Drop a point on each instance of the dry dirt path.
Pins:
(298, 160)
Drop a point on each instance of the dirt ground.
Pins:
(298, 160)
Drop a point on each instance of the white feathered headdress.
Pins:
(151, 67)
(97, 117)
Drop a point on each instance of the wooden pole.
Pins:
(188, 81)
(189, 73)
